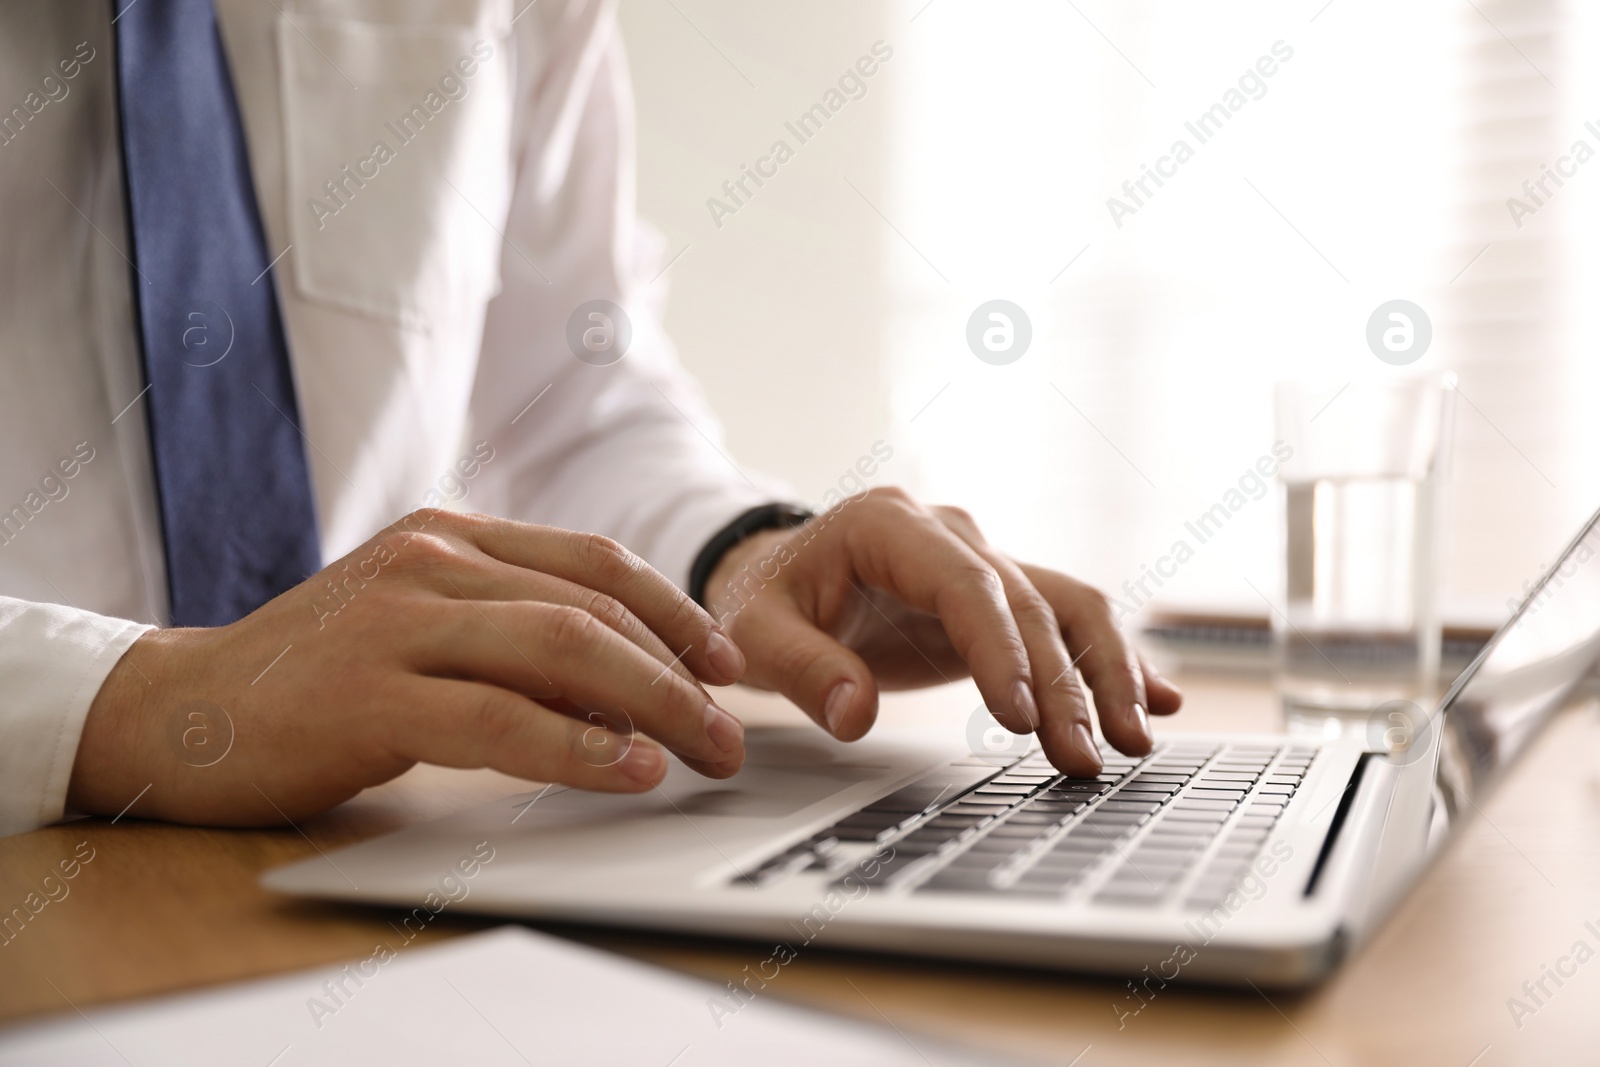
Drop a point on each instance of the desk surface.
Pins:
(163, 908)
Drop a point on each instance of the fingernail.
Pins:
(837, 704)
(1022, 700)
(1142, 721)
(724, 730)
(724, 655)
(1083, 741)
(642, 762)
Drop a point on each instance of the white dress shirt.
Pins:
(425, 287)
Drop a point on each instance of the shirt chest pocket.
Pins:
(397, 143)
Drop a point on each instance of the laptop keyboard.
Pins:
(1180, 825)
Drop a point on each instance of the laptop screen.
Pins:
(1525, 672)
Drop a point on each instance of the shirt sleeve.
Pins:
(53, 660)
(626, 448)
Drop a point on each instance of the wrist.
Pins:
(112, 747)
(756, 520)
(742, 572)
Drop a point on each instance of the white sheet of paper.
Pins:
(507, 996)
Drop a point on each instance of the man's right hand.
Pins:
(459, 640)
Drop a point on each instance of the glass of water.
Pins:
(1359, 629)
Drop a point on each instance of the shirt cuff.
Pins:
(53, 660)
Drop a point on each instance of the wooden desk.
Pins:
(164, 908)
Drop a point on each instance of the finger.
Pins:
(1065, 731)
(470, 724)
(546, 650)
(599, 563)
(907, 552)
(493, 580)
(789, 654)
(1105, 658)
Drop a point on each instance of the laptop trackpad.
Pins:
(786, 770)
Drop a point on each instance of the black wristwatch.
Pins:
(765, 517)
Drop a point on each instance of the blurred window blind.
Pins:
(1374, 162)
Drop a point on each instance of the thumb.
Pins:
(787, 653)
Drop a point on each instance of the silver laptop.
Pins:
(1222, 858)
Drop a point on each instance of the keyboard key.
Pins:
(979, 812)
(990, 799)
(880, 871)
(1119, 803)
(1059, 874)
(1106, 834)
(870, 819)
(1055, 859)
(1248, 833)
(1077, 840)
(1029, 816)
(952, 881)
(994, 789)
(1184, 804)
(1075, 788)
(1160, 790)
(1233, 796)
(1175, 862)
(1130, 896)
(1194, 797)
(863, 833)
(927, 840)
(1275, 790)
(1056, 805)
(1061, 870)
(1178, 842)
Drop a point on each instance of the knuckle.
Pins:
(1031, 607)
(576, 751)
(1094, 600)
(892, 494)
(610, 611)
(686, 617)
(494, 719)
(428, 518)
(427, 551)
(570, 630)
(799, 661)
(605, 559)
(982, 577)
(956, 516)
(591, 746)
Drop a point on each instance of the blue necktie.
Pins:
(231, 475)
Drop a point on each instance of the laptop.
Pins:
(1224, 858)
